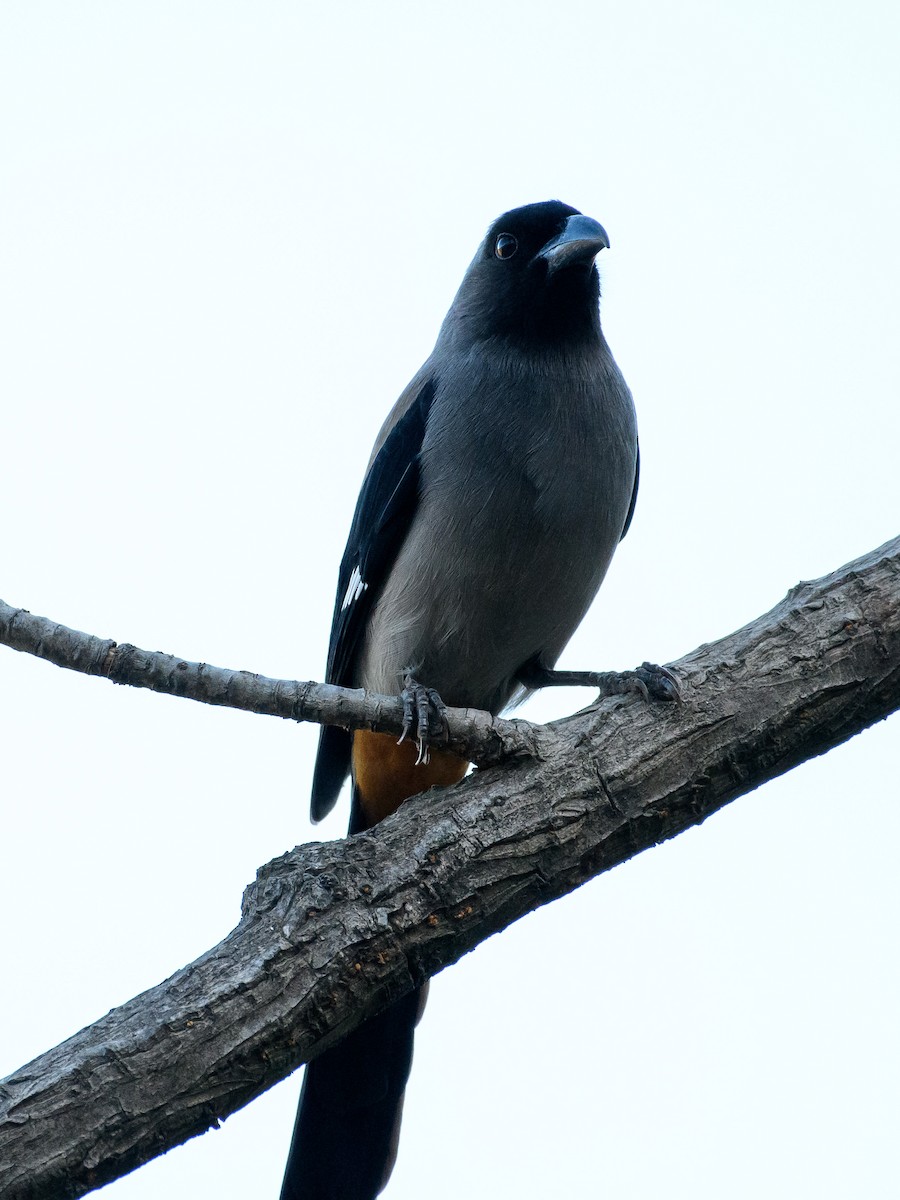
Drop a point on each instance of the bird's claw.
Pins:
(649, 681)
(655, 682)
(430, 714)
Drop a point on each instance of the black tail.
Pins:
(348, 1122)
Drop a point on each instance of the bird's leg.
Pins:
(648, 680)
(430, 714)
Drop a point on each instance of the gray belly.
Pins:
(523, 503)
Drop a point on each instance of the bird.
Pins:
(496, 493)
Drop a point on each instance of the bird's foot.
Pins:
(648, 680)
(430, 714)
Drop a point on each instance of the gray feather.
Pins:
(528, 469)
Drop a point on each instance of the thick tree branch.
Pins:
(331, 932)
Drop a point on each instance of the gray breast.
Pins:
(526, 481)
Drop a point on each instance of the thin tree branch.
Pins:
(332, 932)
(473, 734)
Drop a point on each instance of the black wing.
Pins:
(634, 490)
(384, 513)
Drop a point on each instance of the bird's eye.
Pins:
(505, 245)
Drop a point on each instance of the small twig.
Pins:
(483, 739)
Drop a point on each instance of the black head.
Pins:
(533, 280)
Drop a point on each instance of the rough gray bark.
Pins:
(331, 932)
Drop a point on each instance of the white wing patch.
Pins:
(355, 589)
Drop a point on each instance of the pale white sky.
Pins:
(230, 232)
